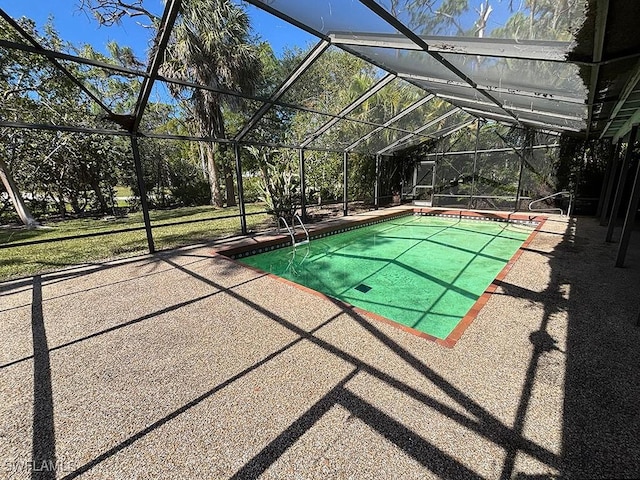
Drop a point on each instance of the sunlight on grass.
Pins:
(27, 260)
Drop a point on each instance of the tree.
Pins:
(16, 198)
(15, 81)
(62, 168)
(211, 46)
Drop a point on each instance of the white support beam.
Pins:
(498, 117)
(626, 128)
(347, 110)
(598, 47)
(512, 108)
(400, 143)
(490, 47)
(563, 116)
(622, 99)
(492, 88)
(420, 130)
(391, 121)
(455, 98)
(507, 120)
(489, 150)
(561, 128)
(311, 57)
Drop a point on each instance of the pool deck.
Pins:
(185, 364)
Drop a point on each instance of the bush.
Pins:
(191, 192)
(252, 188)
(280, 188)
(189, 187)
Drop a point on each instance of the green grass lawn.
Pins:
(19, 261)
(122, 194)
(123, 191)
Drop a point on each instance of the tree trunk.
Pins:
(229, 186)
(203, 158)
(214, 176)
(61, 203)
(14, 194)
(102, 201)
(532, 17)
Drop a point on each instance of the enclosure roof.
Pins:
(573, 69)
(608, 50)
(586, 82)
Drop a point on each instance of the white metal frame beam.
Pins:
(351, 107)
(629, 88)
(419, 130)
(311, 57)
(511, 108)
(492, 88)
(447, 131)
(382, 12)
(503, 118)
(487, 150)
(392, 120)
(550, 51)
(598, 47)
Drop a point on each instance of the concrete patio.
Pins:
(188, 365)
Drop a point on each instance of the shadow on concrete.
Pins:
(601, 415)
(43, 459)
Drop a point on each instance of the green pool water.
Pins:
(424, 272)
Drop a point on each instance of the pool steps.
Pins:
(292, 230)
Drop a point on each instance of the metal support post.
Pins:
(528, 142)
(516, 206)
(243, 214)
(622, 180)
(345, 184)
(475, 163)
(433, 181)
(376, 185)
(143, 192)
(629, 218)
(612, 172)
(303, 187)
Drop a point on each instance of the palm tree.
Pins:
(211, 46)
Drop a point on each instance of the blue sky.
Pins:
(78, 27)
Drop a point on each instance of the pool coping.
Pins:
(247, 246)
(251, 245)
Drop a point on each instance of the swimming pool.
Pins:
(423, 272)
